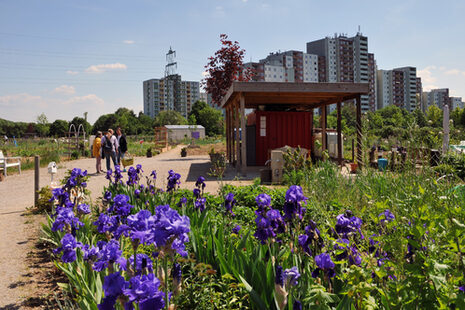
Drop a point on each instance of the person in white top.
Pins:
(109, 147)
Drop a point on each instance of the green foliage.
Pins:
(78, 121)
(58, 128)
(169, 118)
(210, 118)
(44, 205)
(434, 116)
(453, 163)
(295, 163)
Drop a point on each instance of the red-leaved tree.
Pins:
(224, 68)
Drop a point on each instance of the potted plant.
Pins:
(184, 152)
(149, 152)
(353, 167)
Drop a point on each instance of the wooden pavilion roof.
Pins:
(304, 95)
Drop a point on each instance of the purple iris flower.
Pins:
(200, 204)
(90, 252)
(139, 227)
(264, 230)
(236, 229)
(347, 225)
(108, 254)
(324, 263)
(113, 284)
(153, 175)
(61, 196)
(173, 180)
(311, 236)
(143, 262)
(176, 272)
(65, 216)
(229, 203)
(106, 223)
(292, 276)
(263, 201)
(171, 229)
(139, 168)
(133, 176)
(388, 216)
(297, 305)
(182, 202)
(137, 193)
(293, 205)
(107, 196)
(143, 287)
(462, 288)
(121, 205)
(200, 183)
(196, 192)
(83, 208)
(279, 279)
(68, 247)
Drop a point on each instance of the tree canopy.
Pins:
(169, 118)
(224, 68)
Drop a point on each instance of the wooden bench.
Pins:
(7, 162)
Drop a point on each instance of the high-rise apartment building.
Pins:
(289, 66)
(170, 93)
(456, 102)
(410, 87)
(347, 60)
(438, 97)
(399, 87)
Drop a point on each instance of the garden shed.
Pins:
(177, 133)
(283, 116)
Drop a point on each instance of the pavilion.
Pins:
(284, 98)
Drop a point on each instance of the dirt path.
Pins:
(19, 231)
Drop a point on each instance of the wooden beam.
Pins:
(339, 134)
(243, 135)
(358, 104)
(228, 152)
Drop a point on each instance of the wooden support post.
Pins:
(312, 142)
(238, 154)
(339, 134)
(243, 136)
(228, 151)
(36, 179)
(359, 130)
(323, 120)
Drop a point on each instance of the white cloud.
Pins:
(106, 67)
(64, 89)
(452, 72)
(25, 107)
(91, 99)
(427, 79)
(219, 12)
(14, 99)
(129, 42)
(70, 72)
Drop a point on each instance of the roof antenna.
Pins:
(358, 28)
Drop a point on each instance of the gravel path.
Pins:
(19, 230)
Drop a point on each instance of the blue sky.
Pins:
(64, 58)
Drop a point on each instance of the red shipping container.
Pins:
(277, 129)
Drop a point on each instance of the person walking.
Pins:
(96, 148)
(109, 147)
(123, 146)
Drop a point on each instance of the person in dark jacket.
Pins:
(123, 146)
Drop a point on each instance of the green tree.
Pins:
(210, 118)
(169, 118)
(434, 116)
(58, 128)
(79, 120)
(104, 122)
(43, 126)
(420, 118)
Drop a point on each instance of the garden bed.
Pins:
(372, 241)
